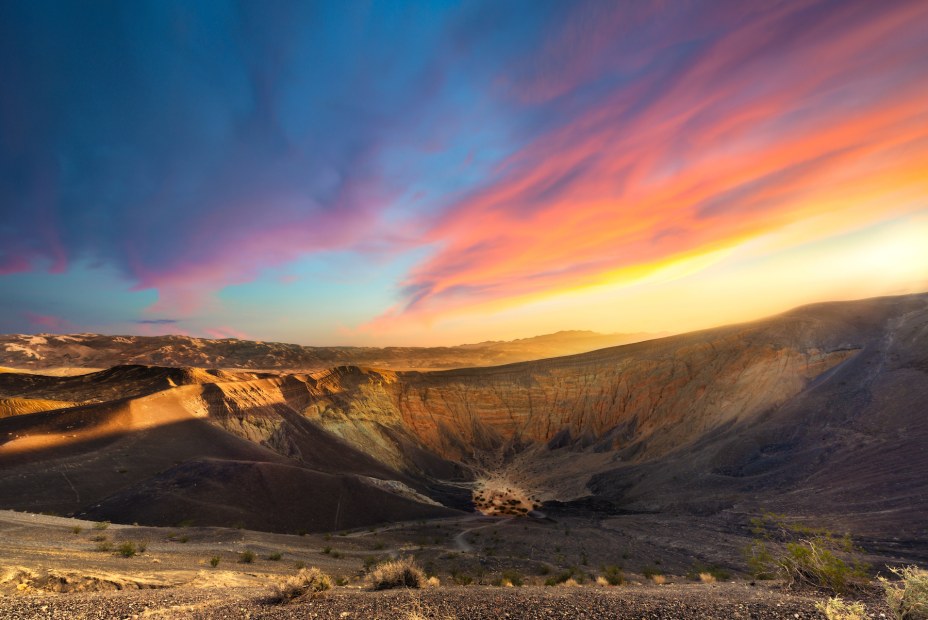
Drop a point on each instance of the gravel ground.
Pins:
(682, 601)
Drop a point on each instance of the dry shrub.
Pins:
(602, 581)
(707, 577)
(659, 579)
(907, 598)
(837, 609)
(571, 582)
(433, 582)
(402, 573)
(307, 582)
(418, 610)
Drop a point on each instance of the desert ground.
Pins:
(56, 567)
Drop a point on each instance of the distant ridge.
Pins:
(48, 351)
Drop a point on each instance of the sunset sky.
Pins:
(443, 172)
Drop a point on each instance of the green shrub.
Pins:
(907, 598)
(308, 582)
(327, 550)
(274, 557)
(512, 577)
(698, 570)
(650, 572)
(613, 575)
(462, 579)
(246, 557)
(77, 529)
(807, 556)
(837, 609)
(403, 573)
(214, 561)
(571, 574)
(101, 525)
(127, 549)
(104, 545)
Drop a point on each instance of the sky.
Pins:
(429, 173)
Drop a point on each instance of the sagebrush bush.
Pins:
(308, 582)
(402, 573)
(837, 609)
(908, 597)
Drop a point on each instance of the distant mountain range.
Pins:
(46, 351)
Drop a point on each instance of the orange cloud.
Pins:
(773, 122)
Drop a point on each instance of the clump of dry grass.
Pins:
(308, 582)
(433, 582)
(837, 609)
(659, 579)
(402, 573)
(570, 582)
(602, 581)
(707, 577)
(418, 610)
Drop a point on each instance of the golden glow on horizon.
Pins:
(753, 279)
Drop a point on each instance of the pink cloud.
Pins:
(223, 332)
(777, 119)
(49, 322)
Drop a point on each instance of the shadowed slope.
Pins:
(268, 496)
(74, 459)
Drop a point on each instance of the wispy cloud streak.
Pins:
(725, 127)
